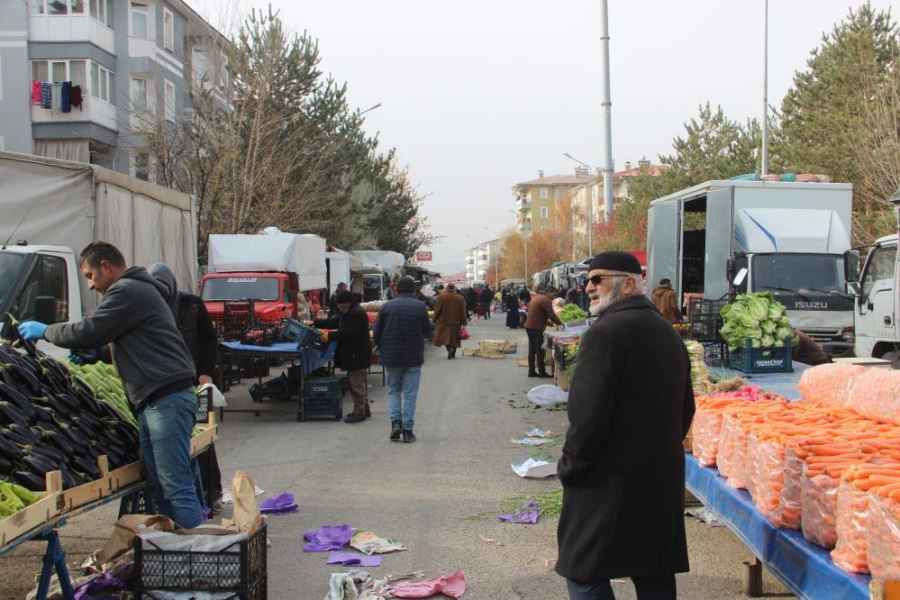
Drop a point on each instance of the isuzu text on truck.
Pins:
(787, 238)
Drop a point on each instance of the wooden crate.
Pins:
(124, 476)
(561, 378)
(77, 497)
(208, 435)
(36, 515)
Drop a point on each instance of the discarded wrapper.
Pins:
(534, 469)
(369, 543)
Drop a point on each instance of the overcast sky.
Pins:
(479, 95)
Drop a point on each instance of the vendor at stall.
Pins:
(807, 351)
(154, 364)
(354, 350)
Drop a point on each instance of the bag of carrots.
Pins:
(876, 394)
(883, 533)
(829, 384)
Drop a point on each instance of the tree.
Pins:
(280, 145)
(832, 98)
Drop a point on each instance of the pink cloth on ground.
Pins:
(453, 586)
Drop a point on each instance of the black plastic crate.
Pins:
(239, 570)
(296, 331)
(329, 408)
(715, 354)
(204, 405)
(706, 320)
(322, 388)
(762, 360)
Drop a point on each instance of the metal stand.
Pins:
(751, 577)
(54, 559)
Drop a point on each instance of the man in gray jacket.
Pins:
(156, 369)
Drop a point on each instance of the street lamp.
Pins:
(590, 204)
(371, 108)
(496, 258)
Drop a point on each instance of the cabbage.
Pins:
(757, 317)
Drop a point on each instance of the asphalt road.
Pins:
(439, 496)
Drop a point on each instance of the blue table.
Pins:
(806, 569)
(311, 359)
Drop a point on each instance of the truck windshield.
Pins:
(799, 272)
(10, 265)
(241, 288)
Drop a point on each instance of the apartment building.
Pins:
(480, 259)
(78, 77)
(536, 199)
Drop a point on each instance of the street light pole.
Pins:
(764, 164)
(590, 203)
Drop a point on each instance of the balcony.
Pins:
(93, 110)
(71, 28)
(523, 204)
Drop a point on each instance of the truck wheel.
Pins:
(892, 356)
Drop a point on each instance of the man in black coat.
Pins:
(400, 333)
(622, 465)
(354, 350)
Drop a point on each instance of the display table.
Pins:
(805, 569)
(309, 360)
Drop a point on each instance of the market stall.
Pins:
(304, 360)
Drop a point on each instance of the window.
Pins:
(169, 100)
(138, 94)
(37, 7)
(103, 84)
(77, 7)
(880, 267)
(59, 70)
(57, 7)
(168, 30)
(544, 193)
(47, 279)
(141, 165)
(545, 212)
(140, 18)
(102, 11)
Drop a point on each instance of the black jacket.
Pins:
(400, 332)
(147, 348)
(622, 465)
(354, 348)
(199, 333)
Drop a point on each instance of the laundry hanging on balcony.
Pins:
(59, 96)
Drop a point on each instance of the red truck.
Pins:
(270, 270)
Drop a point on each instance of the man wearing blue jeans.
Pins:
(154, 364)
(400, 333)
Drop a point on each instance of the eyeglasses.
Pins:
(598, 279)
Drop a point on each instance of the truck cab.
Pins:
(28, 273)
(877, 303)
(274, 294)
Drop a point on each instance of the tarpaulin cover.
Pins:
(391, 262)
(311, 359)
(806, 569)
(288, 252)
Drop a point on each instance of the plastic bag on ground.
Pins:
(883, 527)
(279, 504)
(452, 586)
(851, 549)
(327, 537)
(547, 395)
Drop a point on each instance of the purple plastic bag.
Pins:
(327, 537)
(527, 514)
(353, 559)
(117, 579)
(279, 504)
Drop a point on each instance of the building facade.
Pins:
(536, 199)
(131, 62)
(480, 259)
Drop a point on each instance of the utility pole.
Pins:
(607, 115)
(764, 165)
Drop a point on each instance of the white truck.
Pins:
(877, 297)
(787, 238)
(52, 209)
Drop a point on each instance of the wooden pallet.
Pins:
(36, 515)
(76, 497)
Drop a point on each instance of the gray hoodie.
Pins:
(147, 348)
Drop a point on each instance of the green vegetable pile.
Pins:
(572, 312)
(14, 497)
(104, 380)
(757, 317)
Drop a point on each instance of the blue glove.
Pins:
(32, 330)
